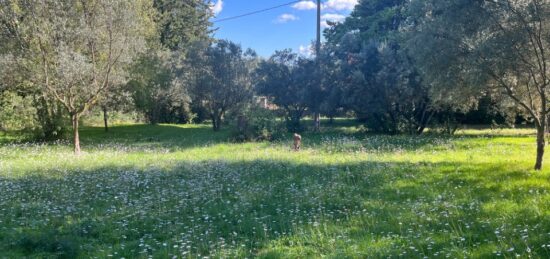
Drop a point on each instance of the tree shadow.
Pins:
(340, 137)
(276, 208)
(155, 136)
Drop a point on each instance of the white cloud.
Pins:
(340, 5)
(286, 17)
(306, 51)
(335, 5)
(331, 17)
(217, 7)
(305, 5)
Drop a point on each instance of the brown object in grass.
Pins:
(297, 141)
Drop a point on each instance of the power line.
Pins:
(254, 12)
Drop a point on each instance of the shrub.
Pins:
(17, 113)
(259, 124)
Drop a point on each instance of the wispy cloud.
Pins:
(217, 7)
(286, 17)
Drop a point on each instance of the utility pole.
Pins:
(317, 114)
(318, 46)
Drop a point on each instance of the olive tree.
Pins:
(286, 79)
(75, 51)
(469, 46)
(220, 78)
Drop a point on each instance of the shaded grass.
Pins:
(185, 191)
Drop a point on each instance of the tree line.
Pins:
(398, 66)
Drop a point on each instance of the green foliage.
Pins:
(159, 80)
(73, 52)
(378, 81)
(375, 20)
(17, 113)
(32, 115)
(81, 61)
(220, 78)
(261, 124)
(287, 80)
(182, 22)
(95, 117)
(155, 91)
(466, 47)
(52, 118)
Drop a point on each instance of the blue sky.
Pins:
(287, 27)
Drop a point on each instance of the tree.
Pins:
(119, 99)
(75, 51)
(379, 80)
(308, 78)
(158, 79)
(220, 78)
(156, 92)
(465, 47)
(50, 123)
(16, 112)
(333, 81)
(284, 78)
(182, 22)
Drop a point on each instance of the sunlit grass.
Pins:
(185, 191)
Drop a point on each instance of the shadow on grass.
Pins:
(270, 208)
(11, 137)
(138, 135)
(154, 136)
(341, 136)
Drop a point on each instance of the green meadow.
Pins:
(171, 191)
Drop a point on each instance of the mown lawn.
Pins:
(183, 191)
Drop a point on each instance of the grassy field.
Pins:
(183, 191)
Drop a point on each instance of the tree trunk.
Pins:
(317, 122)
(216, 122)
(242, 124)
(424, 121)
(295, 122)
(540, 146)
(105, 118)
(74, 118)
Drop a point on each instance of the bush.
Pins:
(52, 118)
(32, 113)
(260, 124)
(17, 113)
